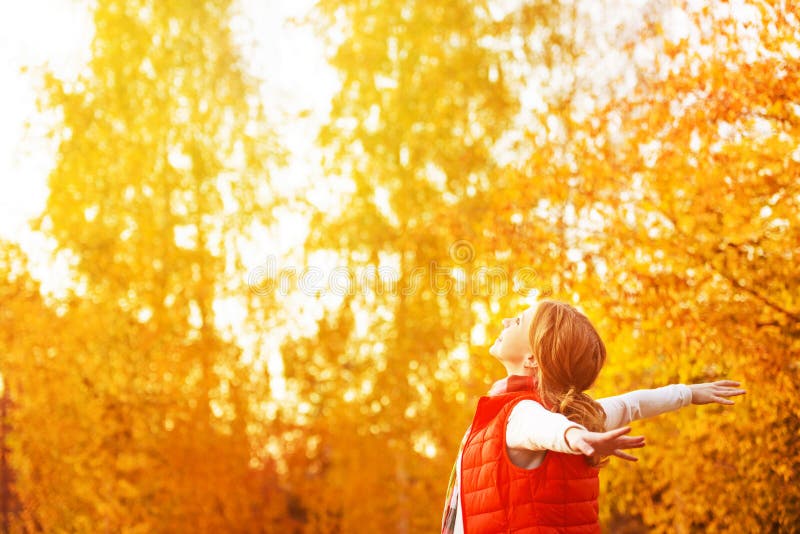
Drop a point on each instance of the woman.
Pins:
(530, 460)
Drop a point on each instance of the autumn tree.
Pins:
(643, 167)
(447, 170)
(617, 190)
(139, 420)
(701, 168)
(424, 97)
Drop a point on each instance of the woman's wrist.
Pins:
(571, 435)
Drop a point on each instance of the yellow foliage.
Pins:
(473, 140)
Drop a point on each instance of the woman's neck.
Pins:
(519, 371)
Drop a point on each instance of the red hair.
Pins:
(569, 354)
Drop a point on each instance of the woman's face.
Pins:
(512, 346)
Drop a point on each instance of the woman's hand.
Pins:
(714, 391)
(608, 443)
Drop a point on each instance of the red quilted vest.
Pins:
(558, 496)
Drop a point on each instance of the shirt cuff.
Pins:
(686, 395)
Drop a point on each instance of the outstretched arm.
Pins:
(530, 426)
(640, 404)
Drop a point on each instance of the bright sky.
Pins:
(58, 33)
(31, 33)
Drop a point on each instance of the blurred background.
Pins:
(253, 253)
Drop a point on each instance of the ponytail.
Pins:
(580, 408)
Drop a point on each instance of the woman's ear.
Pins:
(530, 362)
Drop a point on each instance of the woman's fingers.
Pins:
(621, 442)
(724, 391)
(732, 383)
(618, 453)
(629, 439)
(627, 444)
(618, 432)
(631, 443)
(730, 392)
(617, 438)
(727, 388)
(610, 443)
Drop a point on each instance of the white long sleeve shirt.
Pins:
(532, 429)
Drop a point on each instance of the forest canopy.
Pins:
(642, 164)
